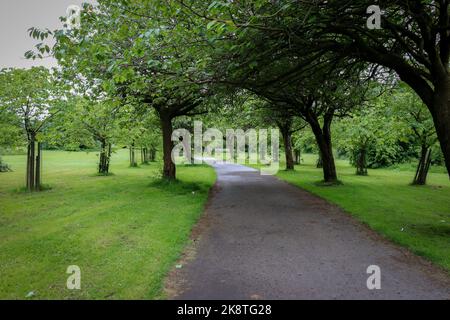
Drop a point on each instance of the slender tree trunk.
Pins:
(319, 164)
(323, 139)
(297, 153)
(133, 162)
(423, 167)
(142, 155)
(27, 174)
(145, 155)
(169, 169)
(105, 155)
(34, 157)
(37, 183)
(361, 162)
(441, 116)
(108, 159)
(287, 140)
(152, 154)
(31, 162)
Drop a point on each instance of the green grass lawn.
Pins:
(417, 217)
(124, 231)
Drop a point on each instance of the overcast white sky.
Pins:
(16, 17)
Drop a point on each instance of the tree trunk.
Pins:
(323, 139)
(287, 140)
(152, 154)
(105, 155)
(423, 167)
(441, 118)
(27, 173)
(169, 169)
(108, 160)
(37, 183)
(297, 156)
(33, 172)
(31, 161)
(361, 163)
(319, 164)
(133, 162)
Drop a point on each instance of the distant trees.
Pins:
(287, 121)
(388, 130)
(319, 106)
(3, 166)
(134, 52)
(98, 120)
(418, 127)
(366, 134)
(10, 134)
(413, 41)
(32, 97)
(311, 62)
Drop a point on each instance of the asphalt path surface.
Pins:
(261, 238)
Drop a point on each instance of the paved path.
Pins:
(261, 238)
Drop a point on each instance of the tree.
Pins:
(316, 87)
(34, 97)
(132, 50)
(365, 130)
(4, 167)
(413, 41)
(419, 125)
(288, 123)
(319, 106)
(99, 120)
(10, 134)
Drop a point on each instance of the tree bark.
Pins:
(152, 154)
(297, 156)
(323, 139)
(441, 117)
(423, 167)
(33, 172)
(27, 174)
(319, 164)
(37, 183)
(169, 169)
(133, 162)
(31, 162)
(287, 140)
(361, 163)
(105, 154)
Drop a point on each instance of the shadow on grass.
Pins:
(440, 229)
(109, 174)
(43, 188)
(177, 186)
(322, 183)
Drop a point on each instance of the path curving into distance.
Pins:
(261, 238)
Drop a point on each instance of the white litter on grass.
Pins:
(30, 294)
(179, 266)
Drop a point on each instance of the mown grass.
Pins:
(124, 231)
(417, 217)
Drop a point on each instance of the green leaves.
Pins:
(32, 97)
